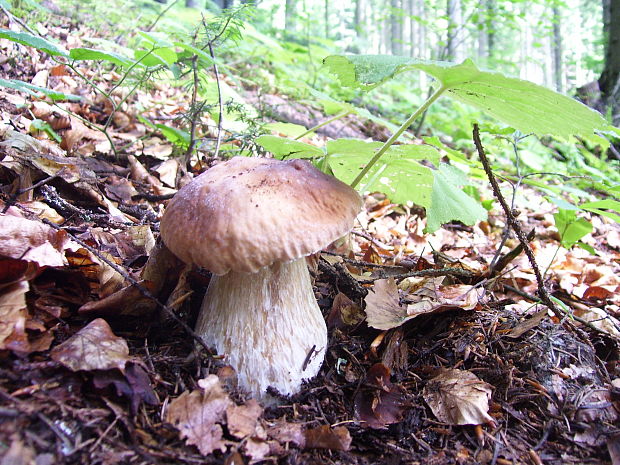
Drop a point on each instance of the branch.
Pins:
(514, 224)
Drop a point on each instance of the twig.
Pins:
(497, 266)
(11, 201)
(192, 131)
(218, 142)
(514, 224)
(422, 273)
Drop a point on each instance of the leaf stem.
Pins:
(429, 101)
(324, 123)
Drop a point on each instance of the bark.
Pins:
(609, 81)
(290, 15)
(558, 75)
(453, 13)
(327, 19)
(395, 28)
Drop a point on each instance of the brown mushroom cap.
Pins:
(248, 213)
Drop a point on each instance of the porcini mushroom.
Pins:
(251, 222)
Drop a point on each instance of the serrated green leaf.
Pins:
(398, 174)
(30, 40)
(523, 105)
(571, 228)
(36, 91)
(450, 203)
(94, 54)
(282, 147)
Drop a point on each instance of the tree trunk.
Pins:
(558, 75)
(290, 15)
(191, 3)
(327, 19)
(395, 28)
(453, 13)
(357, 19)
(609, 82)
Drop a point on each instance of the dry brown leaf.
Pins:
(94, 347)
(379, 402)
(242, 419)
(196, 415)
(33, 241)
(528, 323)
(326, 437)
(12, 310)
(344, 312)
(458, 397)
(285, 432)
(384, 311)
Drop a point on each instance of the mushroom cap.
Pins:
(248, 213)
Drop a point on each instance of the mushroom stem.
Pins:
(267, 324)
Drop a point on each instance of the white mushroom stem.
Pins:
(267, 324)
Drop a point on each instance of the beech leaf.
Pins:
(458, 397)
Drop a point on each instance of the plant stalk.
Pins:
(398, 133)
(324, 123)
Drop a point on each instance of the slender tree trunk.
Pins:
(290, 15)
(609, 82)
(453, 13)
(358, 19)
(395, 26)
(558, 75)
(327, 19)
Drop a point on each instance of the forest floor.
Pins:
(93, 371)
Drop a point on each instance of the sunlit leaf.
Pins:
(37, 91)
(93, 54)
(523, 105)
(281, 147)
(30, 40)
(571, 228)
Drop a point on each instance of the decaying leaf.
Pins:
(134, 384)
(458, 397)
(196, 415)
(30, 240)
(326, 437)
(344, 312)
(242, 419)
(384, 310)
(94, 347)
(12, 310)
(379, 402)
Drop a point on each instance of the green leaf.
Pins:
(36, 91)
(160, 56)
(523, 105)
(398, 174)
(94, 54)
(33, 41)
(571, 228)
(288, 129)
(176, 136)
(282, 147)
(40, 125)
(201, 54)
(450, 203)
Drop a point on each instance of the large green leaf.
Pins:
(33, 41)
(449, 202)
(282, 147)
(36, 91)
(94, 54)
(570, 227)
(525, 106)
(398, 174)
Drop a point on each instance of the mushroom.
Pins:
(251, 222)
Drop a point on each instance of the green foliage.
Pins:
(37, 91)
(523, 105)
(39, 125)
(30, 40)
(572, 229)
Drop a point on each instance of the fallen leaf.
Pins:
(134, 384)
(344, 312)
(94, 347)
(379, 402)
(196, 415)
(326, 437)
(527, 324)
(12, 310)
(24, 239)
(285, 432)
(458, 397)
(242, 419)
(384, 310)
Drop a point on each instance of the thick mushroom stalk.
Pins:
(267, 324)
